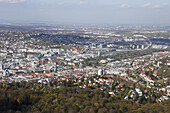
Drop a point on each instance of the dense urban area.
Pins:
(90, 68)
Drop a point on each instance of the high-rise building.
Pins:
(1, 67)
(81, 66)
(101, 72)
(99, 53)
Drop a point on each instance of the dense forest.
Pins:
(30, 97)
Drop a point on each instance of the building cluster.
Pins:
(22, 59)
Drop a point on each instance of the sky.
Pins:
(86, 11)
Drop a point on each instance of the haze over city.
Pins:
(84, 56)
(85, 11)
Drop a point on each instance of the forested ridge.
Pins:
(27, 97)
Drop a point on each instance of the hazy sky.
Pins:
(86, 11)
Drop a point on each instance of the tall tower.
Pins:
(137, 46)
(1, 67)
(99, 54)
(142, 46)
(158, 63)
(100, 72)
(4, 73)
(133, 46)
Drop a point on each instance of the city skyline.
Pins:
(85, 11)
